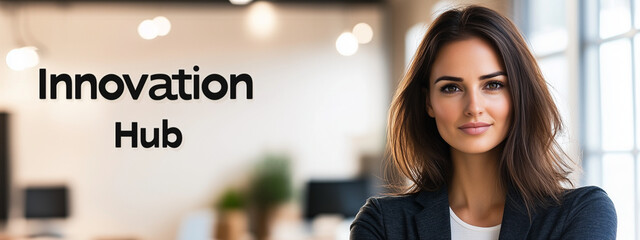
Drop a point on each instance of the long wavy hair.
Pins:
(532, 162)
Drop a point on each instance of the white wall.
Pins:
(322, 108)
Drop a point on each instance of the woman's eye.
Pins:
(495, 85)
(449, 89)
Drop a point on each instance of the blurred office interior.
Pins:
(298, 159)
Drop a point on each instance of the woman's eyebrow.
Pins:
(483, 77)
(491, 75)
(450, 78)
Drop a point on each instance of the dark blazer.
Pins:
(585, 213)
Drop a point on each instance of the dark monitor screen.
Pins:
(343, 197)
(5, 166)
(46, 202)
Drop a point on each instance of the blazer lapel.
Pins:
(515, 220)
(433, 221)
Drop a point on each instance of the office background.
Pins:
(317, 105)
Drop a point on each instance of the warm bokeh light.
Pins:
(363, 33)
(163, 25)
(240, 2)
(347, 44)
(148, 30)
(22, 58)
(261, 19)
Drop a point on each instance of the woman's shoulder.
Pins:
(587, 196)
(397, 206)
(586, 191)
(404, 205)
(390, 203)
(584, 211)
(382, 215)
(578, 200)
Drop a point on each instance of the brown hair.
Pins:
(532, 161)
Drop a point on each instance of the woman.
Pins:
(472, 126)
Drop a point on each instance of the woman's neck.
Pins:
(475, 192)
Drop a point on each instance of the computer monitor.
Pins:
(5, 167)
(344, 197)
(46, 202)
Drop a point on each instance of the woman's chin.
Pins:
(474, 148)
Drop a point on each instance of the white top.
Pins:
(462, 230)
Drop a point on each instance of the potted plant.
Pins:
(233, 223)
(270, 187)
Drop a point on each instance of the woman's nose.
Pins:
(475, 103)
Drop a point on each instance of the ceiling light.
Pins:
(261, 19)
(347, 44)
(148, 29)
(163, 25)
(22, 58)
(363, 33)
(240, 2)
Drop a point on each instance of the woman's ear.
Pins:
(428, 103)
(430, 110)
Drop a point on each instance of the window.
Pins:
(610, 103)
(589, 52)
(548, 32)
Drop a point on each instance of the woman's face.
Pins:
(469, 96)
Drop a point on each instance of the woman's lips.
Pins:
(475, 130)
